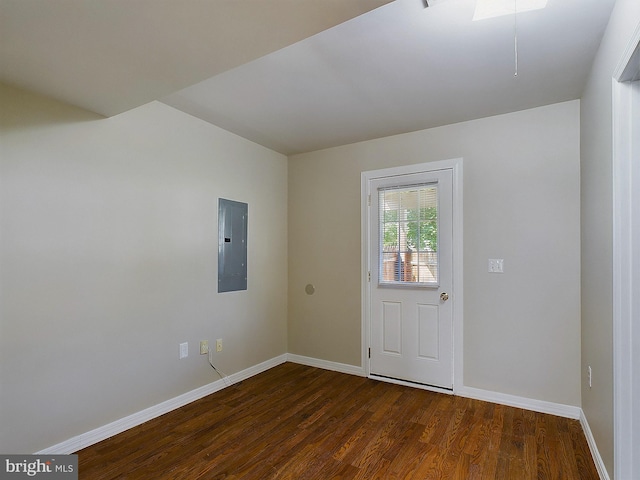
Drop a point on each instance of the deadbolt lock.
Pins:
(444, 296)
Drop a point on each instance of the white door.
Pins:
(411, 269)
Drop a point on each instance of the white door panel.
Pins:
(411, 326)
(428, 331)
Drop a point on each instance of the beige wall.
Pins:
(597, 228)
(108, 256)
(521, 203)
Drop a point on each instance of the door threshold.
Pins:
(407, 383)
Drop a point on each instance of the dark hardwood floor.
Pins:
(298, 422)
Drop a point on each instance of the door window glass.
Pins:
(408, 242)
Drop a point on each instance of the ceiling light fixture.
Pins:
(498, 8)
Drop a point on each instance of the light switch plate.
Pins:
(496, 265)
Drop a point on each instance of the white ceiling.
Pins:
(109, 56)
(396, 69)
(403, 68)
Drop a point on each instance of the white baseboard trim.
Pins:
(326, 365)
(101, 433)
(595, 453)
(559, 409)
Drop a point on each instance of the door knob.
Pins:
(444, 296)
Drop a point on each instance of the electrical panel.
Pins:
(232, 245)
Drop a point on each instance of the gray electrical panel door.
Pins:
(232, 245)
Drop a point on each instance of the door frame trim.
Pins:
(626, 275)
(454, 164)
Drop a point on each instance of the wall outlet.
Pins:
(184, 350)
(589, 374)
(204, 347)
(219, 345)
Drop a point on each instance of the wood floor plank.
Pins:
(299, 422)
(491, 453)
